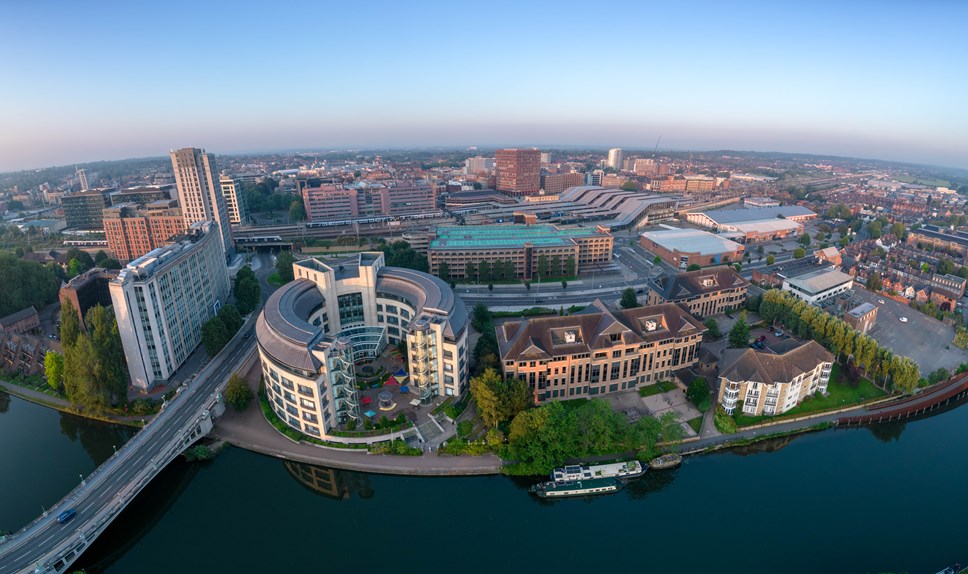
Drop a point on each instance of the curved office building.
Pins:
(316, 329)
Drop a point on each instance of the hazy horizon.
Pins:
(105, 82)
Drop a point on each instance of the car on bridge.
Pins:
(66, 516)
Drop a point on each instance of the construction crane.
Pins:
(656, 147)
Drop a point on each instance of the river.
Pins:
(888, 498)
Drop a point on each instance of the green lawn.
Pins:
(840, 394)
(660, 387)
(274, 279)
(695, 423)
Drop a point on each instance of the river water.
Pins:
(889, 498)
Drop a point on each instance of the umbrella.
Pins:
(392, 381)
(404, 389)
(367, 400)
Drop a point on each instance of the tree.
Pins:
(110, 367)
(542, 267)
(739, 335)
(874, 282)
(945, 266)
(799, 253)
(70, 324)
(400, 254)
(656, 260)
(770, 260)
(54, 370)
(490, 286)
(484, 389)
(26, 283)
(671, 427)
(238, 393)
(284, 266)
(698, 393)
(875, 229)
(564, 284)
(693, 267)
(804, 240)
(629, 185)
(480, 317)
(898, 230)
(712, 326)
(724, 423)
(247, 290)
(527, 285)
(297, 211)
(230, 316)
(214, 335)
(443, 271)
(82, 385)
(629, 300)
(570, 266)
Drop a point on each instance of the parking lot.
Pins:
(923, 338)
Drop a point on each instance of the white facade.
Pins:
(315, 328)
(615, 157)
(199, 192)
(478, 164)
(819, 285)
(162, 298)
(234, 203)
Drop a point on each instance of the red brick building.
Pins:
(518, 171)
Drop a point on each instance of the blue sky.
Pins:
(107, 80)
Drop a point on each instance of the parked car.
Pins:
(778, 334)
(881, 301)
(903, 319)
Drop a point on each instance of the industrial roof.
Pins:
(820, 280)
(692, 241)
(766, 225)
(861, 310)
(746, 215)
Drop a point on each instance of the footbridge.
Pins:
(47, 546)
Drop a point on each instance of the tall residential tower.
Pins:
(199, 191)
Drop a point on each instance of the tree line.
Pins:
(807, 321)
(537, 439)
(219, 330)
(26, 283)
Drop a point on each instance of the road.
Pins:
(117, 477)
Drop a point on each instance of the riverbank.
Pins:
(65, 406)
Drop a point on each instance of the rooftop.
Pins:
(748, 214)
(767, 368)
(820, 280)
(493, 236)
(861, 310)
(692, 240)
(689, 284)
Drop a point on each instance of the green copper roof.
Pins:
(507, 236)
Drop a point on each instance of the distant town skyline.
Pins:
(859, 79)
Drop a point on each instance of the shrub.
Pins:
(464, 429)
(724, 423)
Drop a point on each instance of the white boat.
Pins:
(621, 470)
(590, 487)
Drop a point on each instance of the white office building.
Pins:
(315, 329)
(819, 285)
(162, 298)
(615, 158)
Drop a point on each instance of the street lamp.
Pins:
(83, 482)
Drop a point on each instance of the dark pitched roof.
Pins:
(594, 328)
(762, 367)
(17, 316)
(691, 283)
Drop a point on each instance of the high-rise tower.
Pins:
(199, 190)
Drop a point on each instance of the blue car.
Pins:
(66, 516)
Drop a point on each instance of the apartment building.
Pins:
(334, 202)
(132, 230)
(760, 383)
(162, 299)
(529, 249)
(234, 200)
(87, 290)
(199, 191)
(705, 292)
(143, 195)
(598, 351)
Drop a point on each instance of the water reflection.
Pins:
(4, 401)
(887, 432)
(330, 482)
(99, 439)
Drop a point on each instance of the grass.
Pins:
(841, 393)
(695, 423)
(274, 279)
(961, 340)
(660, 387)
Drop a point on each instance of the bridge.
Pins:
(46, 546)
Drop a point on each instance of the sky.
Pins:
(86, 81)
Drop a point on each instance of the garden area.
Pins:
(656, 389)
